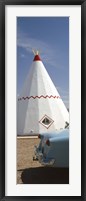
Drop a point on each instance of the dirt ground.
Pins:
(32, 172)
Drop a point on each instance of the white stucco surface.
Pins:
(31, 110)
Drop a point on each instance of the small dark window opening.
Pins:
(46, 121)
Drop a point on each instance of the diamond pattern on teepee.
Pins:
(46, 121)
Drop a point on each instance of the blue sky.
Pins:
(50, 35)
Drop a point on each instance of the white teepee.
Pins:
(40, 107)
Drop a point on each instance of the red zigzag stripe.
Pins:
(34, 97)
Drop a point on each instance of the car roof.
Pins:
(56, 133)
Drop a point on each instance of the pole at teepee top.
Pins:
(36, 52)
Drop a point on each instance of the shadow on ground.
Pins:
(45, 175)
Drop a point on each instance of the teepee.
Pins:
(40, 107)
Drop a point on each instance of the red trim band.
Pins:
(34, 97)
(37, 58)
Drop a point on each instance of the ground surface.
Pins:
(32, 172)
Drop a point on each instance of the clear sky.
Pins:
(50, 35)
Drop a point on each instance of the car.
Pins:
(53, 149)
